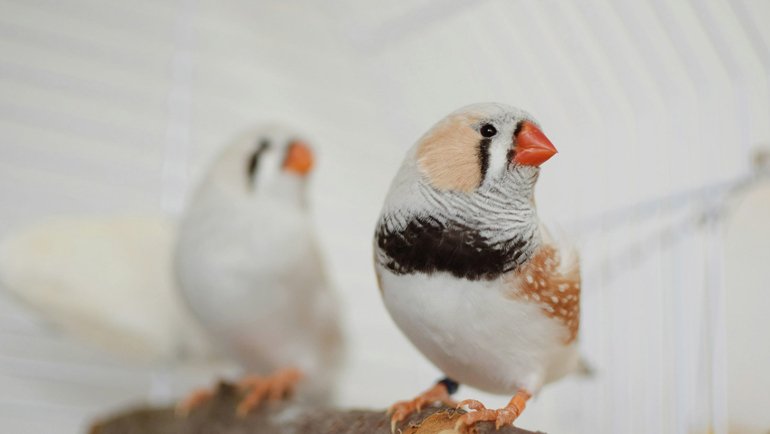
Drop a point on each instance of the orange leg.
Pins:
(501, 417)
(275, 387)
(192, 401)
(402, 409)
(256, 389)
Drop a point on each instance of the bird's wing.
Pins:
(551, 278)
(107, 281)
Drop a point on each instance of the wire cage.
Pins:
(114, 108)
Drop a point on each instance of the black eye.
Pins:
(488, 130)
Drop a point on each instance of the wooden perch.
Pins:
(218, 417)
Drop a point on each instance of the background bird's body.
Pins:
(255, 280)
(465, 268)
(249, 267)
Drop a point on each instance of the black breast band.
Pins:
(427, 245)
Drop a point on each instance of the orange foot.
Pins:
(501, 417)
(193, 401)
(277, 386)
(402, 409)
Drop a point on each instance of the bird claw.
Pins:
(256, 389)
(505, 417)
(193, 401)
(403, 409)
(472, 404)
(275, 387)
(501, 417)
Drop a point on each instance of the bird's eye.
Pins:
(488, 130)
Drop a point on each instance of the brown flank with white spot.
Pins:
(558, 293)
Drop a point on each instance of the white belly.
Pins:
(475, 334)
(257, 286)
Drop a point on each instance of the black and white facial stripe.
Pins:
(253, 161)
(484, 158)
(474, 236)
(487, 131)
(512, 152)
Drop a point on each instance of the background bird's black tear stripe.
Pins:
(254, 159)
(428, 245)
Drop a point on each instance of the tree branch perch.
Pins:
(218, 417)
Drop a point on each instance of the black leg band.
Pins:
(450, 384)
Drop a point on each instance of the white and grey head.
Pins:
(462, 201)
(270, 162)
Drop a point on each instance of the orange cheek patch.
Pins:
(558, 293)
(448, 154)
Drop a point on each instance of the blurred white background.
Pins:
(114, 108)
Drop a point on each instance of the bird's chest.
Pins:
(472, 330)
(474, 249)
(253, 245)
(247, 266)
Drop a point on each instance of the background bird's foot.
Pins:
(192, 401)
(277, 386)
(501, 417)
(402, 409)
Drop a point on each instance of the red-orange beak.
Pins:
(299, 158)
(532, 146)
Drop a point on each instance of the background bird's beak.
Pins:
(532, 146)
(299, 158)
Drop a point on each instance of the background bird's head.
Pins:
(270, 162)
(479, 146)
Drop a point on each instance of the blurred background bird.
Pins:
(466, 269)
(249, 267)
(243, 257)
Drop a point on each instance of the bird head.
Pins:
(270, 162)
(480, 154)
(480, 146)
(463, 200)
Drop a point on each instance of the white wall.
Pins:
(747, 281)
(114, 107)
